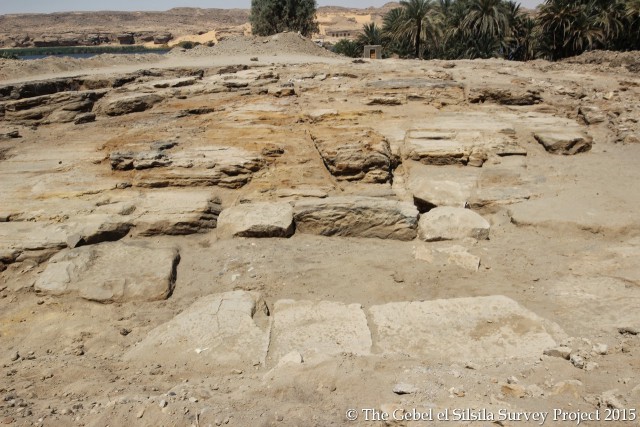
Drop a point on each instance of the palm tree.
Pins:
(569, 27)
(487, 18)
(632, 19)
(371, 35)
(415, 19)
(609, 16)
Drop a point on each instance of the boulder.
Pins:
(228, 329)
(355, 155)
(356, 216)
(126, 38)
(323, 327)
(163, 38)
(447, 223)
(257, 220)
(131, 103)
(566, 142)
(111, 272)
(492, 328)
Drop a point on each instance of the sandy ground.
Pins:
(568, 252)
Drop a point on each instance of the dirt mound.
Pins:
(15, 69)
(631, 60)
(278, 44)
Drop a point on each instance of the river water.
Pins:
(90, 55)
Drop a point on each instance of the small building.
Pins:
(373, 51)
(345, 34)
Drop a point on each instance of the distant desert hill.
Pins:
(202, 25)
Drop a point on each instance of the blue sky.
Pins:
(46, 6)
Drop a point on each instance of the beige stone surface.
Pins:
(483, 328)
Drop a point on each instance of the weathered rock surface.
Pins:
(23, 240)
(229, 329)
(323, 327)
(505, 96)
(434, 186)
(355, 216)
(111, 272)
(355, 156)
(447, 223)
(490, 328)
(439, 92)
(592, 115)
(191, 165)
(564, 141)
(60, 107)
(129, 103)
(456, 139)
(257, 220)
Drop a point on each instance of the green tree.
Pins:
(348, 48)
(569, 27)
(275, 16)
(371, 35)
(487, 25)
(415, 19)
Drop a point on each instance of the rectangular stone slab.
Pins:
(227, 329)
(461, 330)
(323, 327)
(356, 216)
(111, 272)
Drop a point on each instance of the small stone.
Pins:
(535, 391)
(237, 371)
(124, 332)
(627, 330)
(404, 388)
(577, 361)
(280, 418)
(163, 403)
(140, 413)
(7, 420)
(591, 366)
(610, 400)
(601, 349)
(15, 356)
(512, 380)
(563, 352)
(193, 399)
(472, 366)
(513, 390)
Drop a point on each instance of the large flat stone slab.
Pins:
(20, 240)
(356, 216)
(434, 186)
(111, 272)
(323, 327)
(460, 139)
(460, 330)
(227, 329)
(186, 165)
(257, 220)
